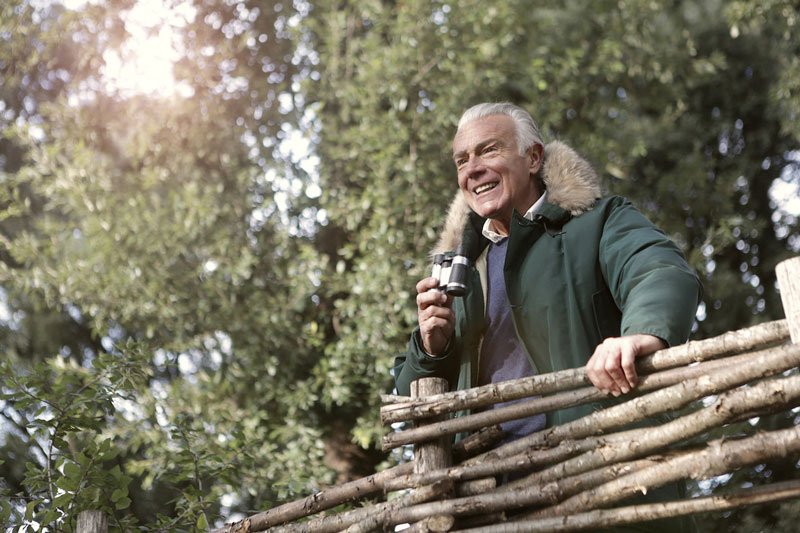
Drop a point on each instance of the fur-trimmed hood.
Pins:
(571, 183)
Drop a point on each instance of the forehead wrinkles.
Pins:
(482, 131)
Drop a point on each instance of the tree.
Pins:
(198, 316)
(152, 224)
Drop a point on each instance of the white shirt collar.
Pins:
(495, 237)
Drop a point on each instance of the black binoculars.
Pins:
(451, 271)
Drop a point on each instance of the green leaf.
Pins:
(30, 509)
(202, 522)
(118, 494)
(72, 470)
(123, 503)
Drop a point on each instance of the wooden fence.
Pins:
(581, 470)
(578, 472)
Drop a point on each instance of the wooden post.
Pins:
(788, 273)
(435, 454)
(92, 522)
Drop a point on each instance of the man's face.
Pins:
(493, 177)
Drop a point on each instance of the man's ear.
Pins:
(536, 158)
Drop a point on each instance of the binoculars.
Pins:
(451, 271)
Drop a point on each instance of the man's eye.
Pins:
(460, 162)
(489, 149)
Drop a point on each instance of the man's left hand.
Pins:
(612, 369)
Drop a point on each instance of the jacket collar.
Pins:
(572, 186)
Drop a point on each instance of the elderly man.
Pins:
(561, 272)
(562, 277)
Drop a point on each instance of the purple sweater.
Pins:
(502, 355)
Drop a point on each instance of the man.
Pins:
(583, 275)
(563, 278)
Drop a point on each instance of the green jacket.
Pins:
(584, 269)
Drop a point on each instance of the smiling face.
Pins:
(494, 178)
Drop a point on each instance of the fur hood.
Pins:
(571, 183)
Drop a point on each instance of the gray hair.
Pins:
(527, 130)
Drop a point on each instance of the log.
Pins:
(430, 456)
(761, 364)
(476, 486)
(492, 502)
(354, 490)
(788, 273)
(660, 401)
(777, 393)
(394, 398)
(604, 518)
(324, 499)
(479, 442)
(372, 514)
(610, 448)
(493, 466)
(719, 457)
(694, 351)
(433, 524)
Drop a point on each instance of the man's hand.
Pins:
(611, 368)
(436, 317)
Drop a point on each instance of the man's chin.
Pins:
(486, 210)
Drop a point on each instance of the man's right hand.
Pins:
(436, 317)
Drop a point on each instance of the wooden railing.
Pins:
(579, 473)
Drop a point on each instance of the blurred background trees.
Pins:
(207, 263)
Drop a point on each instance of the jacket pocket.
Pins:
(607, 316)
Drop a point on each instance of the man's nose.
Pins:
(474, 166)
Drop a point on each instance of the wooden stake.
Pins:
(788, 273)
(92, 522)
(431, 455)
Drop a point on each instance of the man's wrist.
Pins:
(444, 353)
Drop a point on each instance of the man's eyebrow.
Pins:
(478, 147)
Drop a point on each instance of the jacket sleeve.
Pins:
(415, 363)
(652, 284)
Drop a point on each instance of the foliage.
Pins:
(197, 317)
(63, 408)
